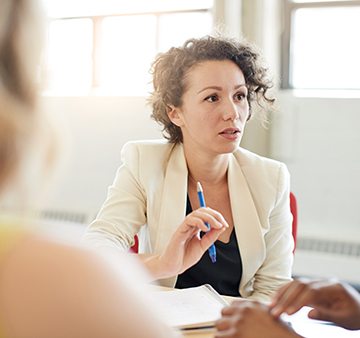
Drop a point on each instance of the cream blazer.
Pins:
(149, 197)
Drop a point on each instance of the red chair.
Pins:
(293, 208)
(135, 247)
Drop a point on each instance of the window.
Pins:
(111, 53)
(126, 58)
(320, 45)
(70, 58)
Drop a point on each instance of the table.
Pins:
(301, 324)
(200, 334)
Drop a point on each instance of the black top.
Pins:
(224, 275)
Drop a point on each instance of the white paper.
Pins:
(311, 328)
(188, 307)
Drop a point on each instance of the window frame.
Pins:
(288, 11)
(97, 34)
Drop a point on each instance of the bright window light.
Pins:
(109, 51)
(70, 54)
(325, 52)
(304, 1)
(197, 24)
(126, 58)
(127, 52)
(76, 8)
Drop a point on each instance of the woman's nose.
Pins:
(230, 111)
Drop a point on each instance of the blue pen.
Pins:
(212, 251)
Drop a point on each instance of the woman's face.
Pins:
(215, 108)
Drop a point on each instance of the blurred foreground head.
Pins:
(22, 32)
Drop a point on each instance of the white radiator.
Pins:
(68, 226)
(316, 257)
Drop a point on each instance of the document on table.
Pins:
(189, 308)
(311, 328)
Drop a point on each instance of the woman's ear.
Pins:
(174, 116)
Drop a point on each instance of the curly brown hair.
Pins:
(169, 72)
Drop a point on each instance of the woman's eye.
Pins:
(211, 98)
(240, 96)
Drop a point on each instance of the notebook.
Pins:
(191, 308)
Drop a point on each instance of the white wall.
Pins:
(96, 129)
(319, 139)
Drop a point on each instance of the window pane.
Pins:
(73, 8)
(128, 49)
(325, 52)
(318, 0)
(175, 29)
(70, 54)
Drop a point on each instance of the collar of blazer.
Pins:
(246, 220)
(247, 224)
(173, 204)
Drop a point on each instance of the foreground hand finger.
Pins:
(222, 324)
(228, 333)
(311, 292)
(292, 299)
(318, 314)
(229, 310)
(279, 293)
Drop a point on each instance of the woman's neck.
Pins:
(209, 170)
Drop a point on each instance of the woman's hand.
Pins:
(332, 301)
(251, 319)
(185, 247)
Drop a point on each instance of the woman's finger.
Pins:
(217, 215)
(200, 217)
(210, 237)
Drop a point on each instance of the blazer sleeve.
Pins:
(124, 211)
(276, 269)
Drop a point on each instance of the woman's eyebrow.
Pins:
(219, 88)
(240, 85)
(210, 87)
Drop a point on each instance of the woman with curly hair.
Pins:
(203, 96)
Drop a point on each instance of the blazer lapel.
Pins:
(247, 223)
(173, 205)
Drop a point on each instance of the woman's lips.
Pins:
(230, 134)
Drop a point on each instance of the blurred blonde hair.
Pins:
(22, 34)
